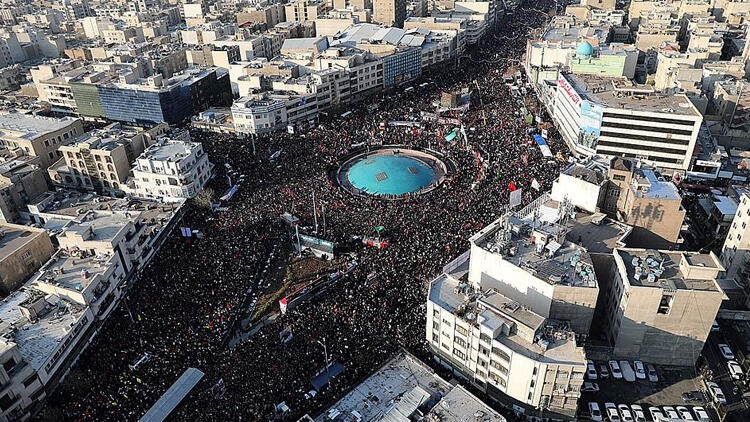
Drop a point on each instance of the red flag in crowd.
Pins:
(512, 186)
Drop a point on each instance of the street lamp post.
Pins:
(325, 352)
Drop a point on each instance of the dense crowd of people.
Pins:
(184, 304)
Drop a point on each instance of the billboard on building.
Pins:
(591, 123)
(568, 91)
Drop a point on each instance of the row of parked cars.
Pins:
(635, 413)
(621, 370)
(735, 370)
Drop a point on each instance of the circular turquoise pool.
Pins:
(388, 174)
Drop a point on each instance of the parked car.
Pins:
(638, 414)
(701, 414)
(735, 370)
(590, 387)
(726, 351)
(651, 370)
(603, 371)
(627, 371)
(685, 413)
(611, 411)
(625, 413)
(716, 394)
(591, 370)
(657, 415)
(670, 413)
(693, 396)
(614, 367)
(595, 412)
(640, 370)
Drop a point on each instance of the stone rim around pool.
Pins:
(391, 173)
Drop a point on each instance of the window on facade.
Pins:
(461, 330)
(460, 342)
(5, 402)
(665, 305)
(459, 354)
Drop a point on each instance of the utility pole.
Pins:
(323, 206)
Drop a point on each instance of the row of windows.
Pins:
(677, 161)
(648, 119)
(649, 127)
(605, 132)
(642, 147)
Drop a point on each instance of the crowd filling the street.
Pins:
(182, 308)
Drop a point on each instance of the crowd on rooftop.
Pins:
(183, 306)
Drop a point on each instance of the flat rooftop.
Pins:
(13, 237)
(99, 226)
(30, 127)
(661, 269)
(654, 188)
(556, 263)
(597, 233)
(619, 92)
(391, 391)
(460, 405)
(38, 340)
(168, 150)
(72, 272)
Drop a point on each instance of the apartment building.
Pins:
(304, 10)
(23, 250)
(21, 180)
(613, 117)
(389, 12)
(171, 171)
(505, 315)
(99, 160)
(638, 196)
(736, 249)
(661, 304)
(38, 136)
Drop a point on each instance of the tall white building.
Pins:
(505, 315)
(735, 253)
(170, 170)
(614, 117)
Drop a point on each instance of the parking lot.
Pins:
(667, 391)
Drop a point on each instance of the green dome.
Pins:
(585, 49)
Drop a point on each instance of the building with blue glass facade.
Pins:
(402, 66)
(152, 100)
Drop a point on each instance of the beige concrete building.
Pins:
(99, 160)
(21, 181)
(23, 250)
(640, 198)
(661, 304)
(389, 12)
(304, 10)
(264, 14)
(38, 136)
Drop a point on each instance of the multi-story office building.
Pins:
(38, 136)
(389, 12)
(273, 110)
(660, 304)
(171, 171)
(152, 100)
(614, 117)
(23, 250)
